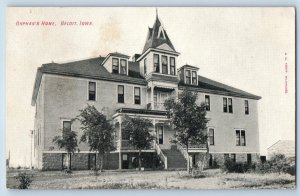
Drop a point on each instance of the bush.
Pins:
(231, 166)
(263, 167)
(24, 179)
(278, 163)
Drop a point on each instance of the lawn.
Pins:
(211, 179)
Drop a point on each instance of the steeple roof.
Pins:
(157, 36)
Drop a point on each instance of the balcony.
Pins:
(156, 106)
(126, 145)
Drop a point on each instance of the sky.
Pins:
(252, 49)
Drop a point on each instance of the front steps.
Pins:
(175, 159)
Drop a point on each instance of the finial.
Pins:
(156, 13)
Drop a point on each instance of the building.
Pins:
(286, 147)
(118, 86)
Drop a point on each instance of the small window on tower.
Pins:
(172, 65)
(164, 62)
(156, 63)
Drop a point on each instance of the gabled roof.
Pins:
(88, 68)
(214, 87)
(154, 40)
(115, 54)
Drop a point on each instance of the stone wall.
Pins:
(52, 161)
(79, 161)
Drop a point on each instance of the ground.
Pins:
(210, 179)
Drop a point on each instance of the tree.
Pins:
(189, 120)
(68, 141)
(137, 130)
(98, 132)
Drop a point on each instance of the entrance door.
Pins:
(125, 162)
(160, 134)
(92, 161)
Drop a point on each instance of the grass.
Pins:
(209, 179)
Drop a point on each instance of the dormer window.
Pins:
(164, 62)
(156, 63)
(123, 66)
(194, 78)
(115, 65)
(188, 77)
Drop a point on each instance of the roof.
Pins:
(286, 147)
(214, 87)
(115, 54)
(92, 68)
(88, 68)
(153, 40)
(189, 66)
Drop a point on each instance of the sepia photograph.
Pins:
(150, 98)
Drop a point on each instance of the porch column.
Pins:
(152, 97)
(120, 143)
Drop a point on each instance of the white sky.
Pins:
(241, 47)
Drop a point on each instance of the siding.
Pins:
(65, 96)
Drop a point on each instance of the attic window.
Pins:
(115, 65)
(123, 66)
(161, 33)
(194, 78)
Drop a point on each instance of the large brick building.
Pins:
(117, 86)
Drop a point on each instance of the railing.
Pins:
(195, 146)
(159, 106)
(125, 145)
(185, 154)
(161, 155)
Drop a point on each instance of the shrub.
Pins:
(24, 179)
(263, 167)
(231, 166)
(278, 163)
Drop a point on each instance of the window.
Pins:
(172, 66)
(156, 63)
(115, 65)
(226, 157)
(160, 134)
(164, 62)
(207, 102)
(249, 159)
(246, 107)
(120, 94)
(92, 91)
(211, 136)
(230, 105)
(224, 104)
(194, 78)
(188, 76)
(66, 125)
(137, 95)
(227, 105)
(233, 157)
(123, 66)
(145, 66)
(240, 137)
